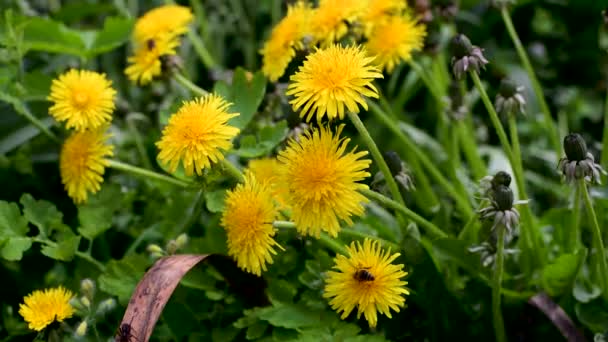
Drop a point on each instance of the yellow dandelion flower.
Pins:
(247, 218)
(329, 21)
(168, 19)
(394, 39)
(378, 10)
(42, 308)
(366, 279)
(321, 178)
(196, 134)
(82, 98)
(82, 162)
(331, 79)
(285, 38)
(267, 170)
(146, 62)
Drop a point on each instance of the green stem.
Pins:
(466, 233)
(461, 202)
(232, 170)
(201, 50)
(573, 232)
(430, 228)
(34, 121)
(469, 148)
(117, 165)
(428, 82)
(139, 143)
(375, 152)
(499, 326)
(333, 244)
(82, 255)
(502, 136)
(604, 158)
(597, 239)
(361, 235)
(538, 91)
(183, 80)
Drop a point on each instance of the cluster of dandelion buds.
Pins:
(399, 170)
(578, 162)
(84, 304)
(170, 248)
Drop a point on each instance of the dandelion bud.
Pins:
(85, 302)
(575, 147)
(393, 161)
(466, 56)
(87, 287)
(501, 178)
(76, 304)
(510, 99)
(154, 248)
(503, 195)
(461, 46)
(106, 306)
(171, 247)
(181, 240)
(81, 330)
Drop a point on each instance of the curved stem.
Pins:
(499, 326)
(467, 232)
(597, 239)
(117, 165)
(183, 80)
(470, 150)
(139, 143)
(432, 229)
(200, 49)
(34, 121)
(428, 82)
(82, 255)
(357, 234)
(461, 201)
(604, 158)
(375, 152)
(573, 235)
(232, 170)
(538, 91)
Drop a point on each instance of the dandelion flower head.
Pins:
(379, 10)
(394, 39)
(379, 290)
(247, 219)
(168, 19)
(197, 134)
(322, 180)
(285, 39)
(267, 170)
(146, 62)
(332, 80)
(83, 99)
(41, 308)
(82, 162)
(329, 21)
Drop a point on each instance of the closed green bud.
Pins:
(85, 302)
(154, 248)
(575, 147)
(503, 195)
(81, 330)
(77, 304)
(181, 241)
(106, 306)
(87, 287)
(171, 247)
(501, 178)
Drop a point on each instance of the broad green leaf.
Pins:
(558, 276)
(244, 95)
(256, 330)
(95, 217)
(42, 34)
(290, 316)
(215, 200)
(64, 250)
(37, 86)
(116, 31)
(121, 276)
(12, 224)
(269, 138)
(593, 315)
(14, 247)
(42, 214)
(281, 290)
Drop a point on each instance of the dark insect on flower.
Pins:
(363, 274)
(124, 334)
(151, 44)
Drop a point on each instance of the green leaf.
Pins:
(593, 315)
(64, 250)
(121, 276)
(37, 86)
(215, 200)
(42, 214)
(256, 330)
(116, 31)
(12, 224)
(95, 216)
(269, 138)
(50, 36)
(14, 247)
(290, 316)
(244, 95)
(558, 276)
(456, 251)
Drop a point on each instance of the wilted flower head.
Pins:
(510, 100)
(333, 80)
(466, 56)
(42, 308)
(398, 169)
(501, 210)
(367, 280)
(578, 162)
(487, 250)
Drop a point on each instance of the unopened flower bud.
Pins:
(87, 287)
(575, 147)
(510, 99)
(501, 178)
(106, 306)
(503, 195)
(461, 46)
(85, 302)
(466, 56)
(171, 247)
(76, 304)
(393, 161)
(154, 248)
(81, 330)
(181, 240)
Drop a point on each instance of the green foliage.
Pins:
(245, 95)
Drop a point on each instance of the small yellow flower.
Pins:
(82, 162)
(394, 39)
(267, 170)
(332, 79)
(41, 308)
(247, 219)
(329, 22)
(366, 279)
(196, 134)
(378, 10)
(82, 98)
(168, 19)
(322, 180)
(285, 38)
(146, 62)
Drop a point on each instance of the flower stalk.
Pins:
(184, 81)
(118, 165)
(499, 326)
